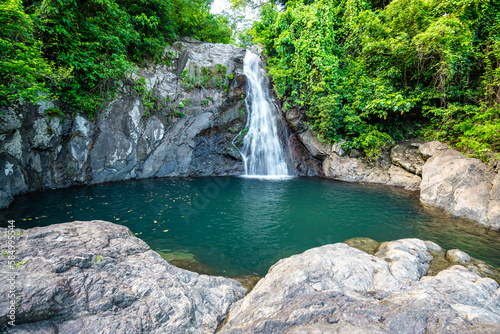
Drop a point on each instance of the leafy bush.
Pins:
(78, 50)
(372, 74)
(23, 70)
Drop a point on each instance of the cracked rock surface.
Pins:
(97, 277)
(340, 289)
(189, 132)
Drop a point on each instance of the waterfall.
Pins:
(262, 151)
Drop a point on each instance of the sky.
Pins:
(219, 5)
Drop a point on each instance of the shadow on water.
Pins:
(240, 226)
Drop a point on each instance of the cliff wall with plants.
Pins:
(182, 119)
(77, 51)
(375, 72)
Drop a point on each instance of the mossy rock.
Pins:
(197, 267)
(248, 282)
(438, 263)
(366, 245)
(179, 256)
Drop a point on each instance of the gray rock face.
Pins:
(317, 149)
(10, 119)
(96, 277)
(432, 148)
(339, 289)
(406, 156)
(199, 112)
(461, 186)
(355, 170)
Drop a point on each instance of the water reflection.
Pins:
(242, 226)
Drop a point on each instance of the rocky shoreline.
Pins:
(445, 178)
(97, 277)
(196, 129)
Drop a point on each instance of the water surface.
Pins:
(242, 226)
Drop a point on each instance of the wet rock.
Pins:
(461, 186)
(458, 257)
(248, 282)
(366, 245)
(339, 289)
(96, 277)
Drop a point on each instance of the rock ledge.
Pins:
(97, 277)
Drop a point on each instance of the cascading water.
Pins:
(262, 151)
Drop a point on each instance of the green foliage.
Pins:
(98, 259)
(78, 51)
(372, 72)
(23, 70)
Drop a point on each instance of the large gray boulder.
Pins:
(432, 148)
(339, 289)
(463, 187)
(349, 169)
(97, 277)
(317, 149)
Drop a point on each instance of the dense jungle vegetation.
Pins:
(368, 71)
(76, 51)
(376, 71)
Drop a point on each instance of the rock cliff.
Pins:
(175, 120)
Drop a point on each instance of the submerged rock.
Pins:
(96, 277)
(366, 245)
(339, 289)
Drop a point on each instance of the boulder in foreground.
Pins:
(97, 277)
(339, 289)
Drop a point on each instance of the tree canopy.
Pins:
(372, 72)
(77, 50)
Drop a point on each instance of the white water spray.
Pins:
(262, 151)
